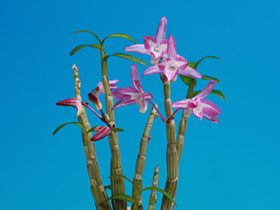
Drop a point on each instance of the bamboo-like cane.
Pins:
(117, 182)
(97, 188)
(171, 155)
(141, 159)
(153, 196)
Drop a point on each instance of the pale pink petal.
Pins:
(207, 90)
(101, 133)
(152, 70)
(198, 113)
(154, 61)
(171, 48)
(149, 42)
(194, 103)
(183, 104)
(187, 113)
(126, 93)
(190, 72)
(163, 65)
(170, 75)
(147, 96)
(121, 103)
(209, 107)
(135, 78)
(100, 89)
(181, 62)
(137, 48)
(143, 106)
(161, 30)
(163, 45)
(72, 102)
(114, 81)
(212, 118)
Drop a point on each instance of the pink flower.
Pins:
(101, 132)
(174, 64)
(100, 89)
(132, 95)
(154, 46)
(72, 102)
(199, 106)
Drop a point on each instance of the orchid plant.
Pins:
(168, 64)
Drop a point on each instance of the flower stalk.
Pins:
(141, 159)
(97, 188)
(117, 182)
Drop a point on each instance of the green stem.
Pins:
(140, 163)
(97, 188)
(117, 182)
(153, 196)
(171, 155)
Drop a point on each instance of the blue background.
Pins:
(226, 166)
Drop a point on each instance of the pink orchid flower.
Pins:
(101, 132)
(100, 89)
(132, 95)
(199, 106)
(154, 46)
(174, 64)
(72, 102)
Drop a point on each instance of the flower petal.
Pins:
(72, 102)
(143, 106)
(135, 78)
(190, 72)
(147, 96)
(149, 42)
(121, 103)
(212, 118)
(207, 90)
(181, 62)
(137, 48)
(170, 75)
(101, 133)
(210, 108)
(100, 88)
(95, 100)
(126, 93)
(198, 113)
(154, 61)
(161, 30)
(171, 48)
(183, 104)
(152, 70)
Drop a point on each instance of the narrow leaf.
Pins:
(159, 190)
(119, 175)
(185, 79)
(121, 197)
(218, 93)
(77, 123)
(210, 78)
(128, 57)
(107, 187)
(195, 66)
(88, 32)
(76, 49)
(116, 129)
(119, 35)
(215, 92)
(191, 64)
(92, 129)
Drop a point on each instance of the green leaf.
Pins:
(195, 66)
(210, 78)
(191, 64)
(185, 79)
(116, 129)
(76, 49)
(88, 32)
(77, 123)
(128, 57)
(121, 197)
(119, 35)
(218, 93)
(119, 175)
(92, 129)
(159, 190)
(215, 92)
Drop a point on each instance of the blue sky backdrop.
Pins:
(226, 166)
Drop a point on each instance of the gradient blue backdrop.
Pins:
(227, 166)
